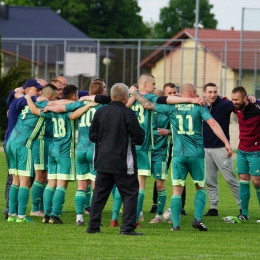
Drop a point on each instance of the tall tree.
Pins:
(98, 18)
(180, 14)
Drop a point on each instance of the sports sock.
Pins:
(161, 200)
(117, 202)
(41, 208)
(113, 190)
(80, 199)
(176, 206)
(244, 196)
(79, 217)
(58, 200)
(37, 192)
(88, 196)
(47, 199)
(13, 199)
(199, 203)
(140, 203)
(23, 197)
(257, 189)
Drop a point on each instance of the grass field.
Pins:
(222, 241)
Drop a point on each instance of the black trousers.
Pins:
(128, 187)
(8, 183)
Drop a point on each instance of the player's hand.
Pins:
(27, 96)
(251, 98)
(92, 104)
(20, 90)
(199, 101)
(228, 149)
(163, 132)
(132, 89)
(45, 109)
(41, 99)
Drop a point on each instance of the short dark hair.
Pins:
(147, 74)
(68, 91)
(239, 89)
(96, 87)
(169, 84)
(99, 79)
(51, 86)
(210, 84)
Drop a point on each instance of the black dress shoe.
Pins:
(212, 213)
(93, 231)
(153, 209)
(131, 233)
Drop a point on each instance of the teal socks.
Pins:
(23, 197)
(37, 194)
(199, 203)
(140, 203)
(80, 199)
(161, 200)
(58, 200)
(47, 199)
(117, 202)
(13, 195)
(176, 205)
(244, 196)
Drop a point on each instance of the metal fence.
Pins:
(217, 60)
(223, 62)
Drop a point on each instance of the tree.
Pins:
(98, 18)
(180, 14)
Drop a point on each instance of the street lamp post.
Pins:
(196, 41)
(106, 61)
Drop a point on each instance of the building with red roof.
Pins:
(218, 60)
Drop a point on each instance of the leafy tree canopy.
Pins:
(180, 14)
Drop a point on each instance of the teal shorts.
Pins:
(182, 165)
(40, 151)
(159, 170)
(60, 168)
(248, 162)
(19, 160)
(84, 166)
(144, 162)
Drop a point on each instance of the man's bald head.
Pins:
(43, 82)
(188, 90)
(146, 82)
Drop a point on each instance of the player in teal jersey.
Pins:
(146, 84)
(161, 136)
(85, 149)
(19, 154)
(40, 151)
(61, 162)
(186, 121)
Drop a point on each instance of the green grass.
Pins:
(222, 241)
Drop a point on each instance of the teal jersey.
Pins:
(160, 149)
(28, 126)
(186, 121)
(47, 129)
(84, 123)
(145, 120)
(63, 142)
